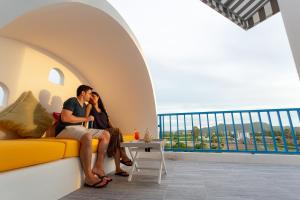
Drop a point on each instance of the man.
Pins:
(70, 126)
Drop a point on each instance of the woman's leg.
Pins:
(122, 150)
(117, 161)
(114, 150)
(119, 170)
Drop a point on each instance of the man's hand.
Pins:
(67, 116)
(90, 118)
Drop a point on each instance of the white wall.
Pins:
(24, 68)
(290, 14)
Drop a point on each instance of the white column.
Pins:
(291, 16)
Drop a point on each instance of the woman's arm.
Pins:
(87, 114)
(109, 124)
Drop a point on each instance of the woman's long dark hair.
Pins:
(100, 104)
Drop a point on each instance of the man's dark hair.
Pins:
(83, 88)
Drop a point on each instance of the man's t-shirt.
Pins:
(73, 105)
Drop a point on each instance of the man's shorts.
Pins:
(77, 131)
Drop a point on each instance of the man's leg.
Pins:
(86, 157)
(102, 148)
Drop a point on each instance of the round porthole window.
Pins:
(3, 95)
(56, 76)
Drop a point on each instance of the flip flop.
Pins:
(127, 163)
(102, 177)
(122, 173)
(96, 185)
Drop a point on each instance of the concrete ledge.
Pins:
(51, 180)
(243, 158)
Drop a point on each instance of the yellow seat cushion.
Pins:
(71, 146)
(22, 153)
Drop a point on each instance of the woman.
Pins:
(101, 121)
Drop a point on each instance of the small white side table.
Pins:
(156, 146)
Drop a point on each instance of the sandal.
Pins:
(122, 173)
(127, 163)
(96, 185)
(102, 177)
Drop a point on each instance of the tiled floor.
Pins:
(199, 179)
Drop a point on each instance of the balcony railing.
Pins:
(255, 131)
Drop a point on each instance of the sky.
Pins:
(201, 61)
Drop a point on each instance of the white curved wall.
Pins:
(24, 68)
(290, 14)
(97, 45)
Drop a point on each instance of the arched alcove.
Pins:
(98, 45)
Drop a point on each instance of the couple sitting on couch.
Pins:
(72, 124)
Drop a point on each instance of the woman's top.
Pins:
(101, 119)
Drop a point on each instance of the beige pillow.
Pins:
(6, 135)
(26, 117)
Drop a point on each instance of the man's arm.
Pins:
(67, 116)
(87, 114)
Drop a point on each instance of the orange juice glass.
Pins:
(136, 135)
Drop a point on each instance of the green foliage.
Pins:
(196, 132)
(181, 145)
(268, 133)
(257, 135)
(288, 133)
(167, 146)
(278, 139)
(214, 146)
(277, 133)
(214, 138)
(258, 139)
(201, 146)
